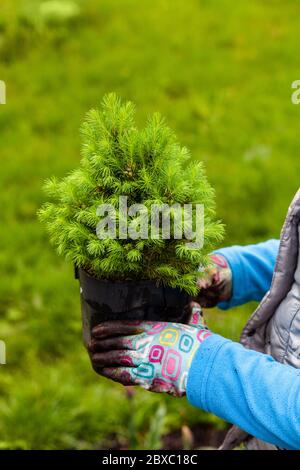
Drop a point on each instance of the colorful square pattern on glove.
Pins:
(169, 337)
(202, 335)
(144, 370)
(186, 343)
(156, 353)
(172, 365)
(156, 328)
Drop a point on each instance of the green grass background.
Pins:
(221, 72)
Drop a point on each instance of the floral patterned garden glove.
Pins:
(216, 284)
(155, 355)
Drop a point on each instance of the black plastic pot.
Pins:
(103, 300)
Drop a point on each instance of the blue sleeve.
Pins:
(247, 388)
(252, 269)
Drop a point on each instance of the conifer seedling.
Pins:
(147, 166)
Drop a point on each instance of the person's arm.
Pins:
(252, 269)
(248, 389)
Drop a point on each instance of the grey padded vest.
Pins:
(274, 327)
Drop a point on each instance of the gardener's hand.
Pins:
(157, 356)
(216, 284)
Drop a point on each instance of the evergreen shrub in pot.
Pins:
(123, 276)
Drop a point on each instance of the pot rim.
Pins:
(117, 281)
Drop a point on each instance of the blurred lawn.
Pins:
(221, 72)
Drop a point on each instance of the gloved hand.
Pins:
(155, 355)
(216, 284)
